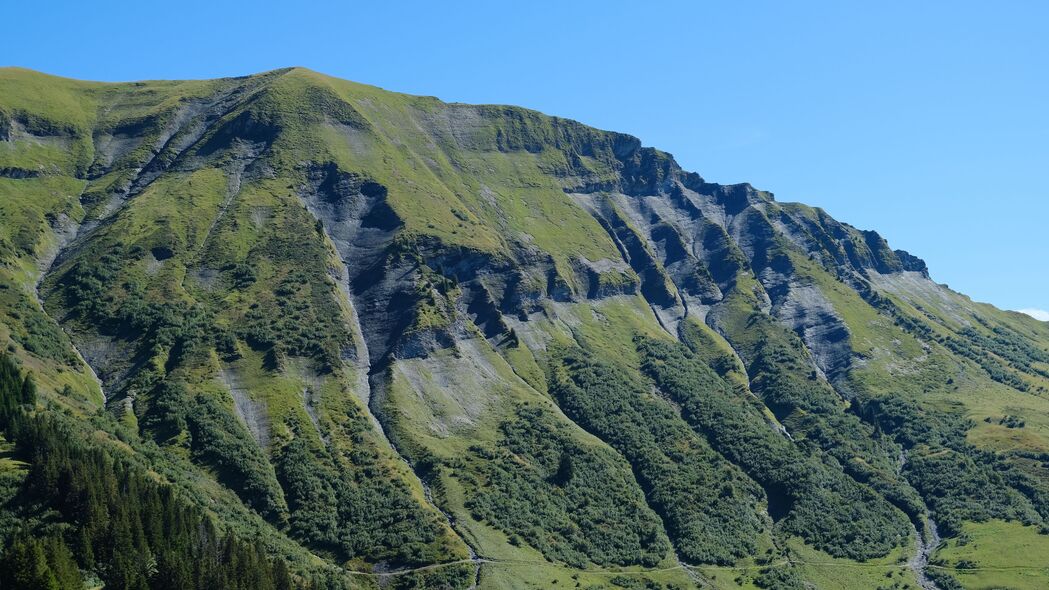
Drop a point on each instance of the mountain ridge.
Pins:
(395, 332)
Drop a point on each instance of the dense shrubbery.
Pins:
(310, 495)
(710, 508)
(574, 503)
(174, 332)
(634, 583)
(781, 374)
(957, 481)
(217, 439)
(956, 487)
(779, 578)
(300, 316)
(349, 506)
(784, 377)
(444, 578)
(810, 498)
(31, 328)
(1028, 473)
(356, 510)
(912, 423)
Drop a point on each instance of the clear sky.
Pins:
(927, 121)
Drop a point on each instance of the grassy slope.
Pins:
(997, 554)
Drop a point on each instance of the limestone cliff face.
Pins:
(383, 308)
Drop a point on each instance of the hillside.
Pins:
(378, 340)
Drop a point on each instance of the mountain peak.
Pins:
(375, 336)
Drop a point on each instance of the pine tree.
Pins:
(61, 561)
(281, 577)
(28, 390)
(122, 525)
(25, 566)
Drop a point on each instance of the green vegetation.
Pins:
(277, 292)
(995, 554)
(341, 333)
(710, 508)
(293, 311)
(783, 374)
(807, 497)
(216, 438)
(355, 513)
(15, 391)
(83, 509)
(959, 488)
(572, 503)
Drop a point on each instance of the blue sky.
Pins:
(927, 121)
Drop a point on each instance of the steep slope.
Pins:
(445, 345)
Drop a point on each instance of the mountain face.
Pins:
(363, 339)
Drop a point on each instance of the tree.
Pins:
(565, 470)
(28, 391)
(25, 566)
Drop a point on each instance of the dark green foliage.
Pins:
(36, 332)
(957, 481)
(173, 331)
(1012, 422)
(87, 283)
(300, 316)
(443, 578)
(944, 580)
(958, 487)
(782, 577)
(636, 583)
(242, 275)
(295, 314)
(1028, 473)
(808, 497)
(357, 510)
(16, 391)
(82, 508)
(44, 565)
(710, 508)
(565, 470)
(218, 439)
(782, 374)
(862, 455)
(172, 281)
(311, 496)
(910, 423)
(574, 503)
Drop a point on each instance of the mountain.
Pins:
(286, 330)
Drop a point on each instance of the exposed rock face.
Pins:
(808, 312)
